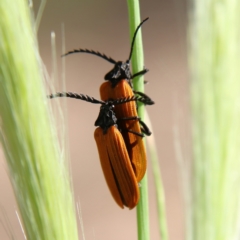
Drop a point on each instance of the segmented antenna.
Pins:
(96, 101)
(76, 96)
(134, 37)
(109, 59)
(128, 99)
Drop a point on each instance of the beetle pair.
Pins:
(122, 154)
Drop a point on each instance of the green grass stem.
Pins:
(137, 65)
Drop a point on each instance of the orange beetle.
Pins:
(113, 154)
(119, 85)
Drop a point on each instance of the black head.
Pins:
(121, 70)
(106, 117)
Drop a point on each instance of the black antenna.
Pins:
(96, 101)
(128, 99)
(134, 37)
(76, 96)
(109, 59)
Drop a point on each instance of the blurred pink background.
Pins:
(103, 26)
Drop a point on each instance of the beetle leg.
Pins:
(144, 71)
(144, 128)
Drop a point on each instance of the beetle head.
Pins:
(121, 70)
(106, 117)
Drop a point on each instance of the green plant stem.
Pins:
(137, 65)
(37, 171)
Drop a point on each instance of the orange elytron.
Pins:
(119, 85)
(134, 143)
(116, 165)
